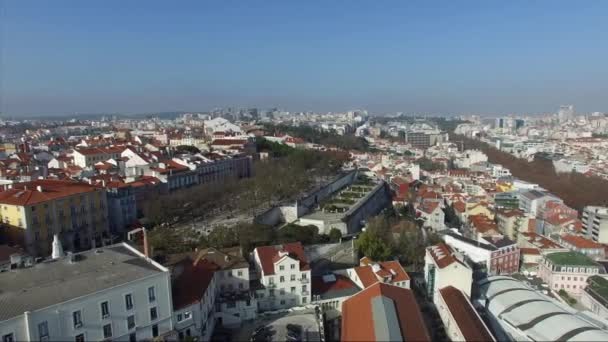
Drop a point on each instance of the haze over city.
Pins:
(482, 57)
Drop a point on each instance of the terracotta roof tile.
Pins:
(469, 323)
(270, 254)
(358, 314)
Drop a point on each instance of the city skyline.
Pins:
(474, 58)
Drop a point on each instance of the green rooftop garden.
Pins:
(570, 259)
(599, 285)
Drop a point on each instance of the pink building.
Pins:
(567, 271)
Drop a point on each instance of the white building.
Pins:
(113, 293)
(595, 223)
(284, 275)
(442, 267)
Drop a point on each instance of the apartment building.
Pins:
(284, 276)
(582, 245)
(595, 223)
(89, 156)
(110, 293)
(234, 301)
(33, 212)
(567, 271)
(443, 267)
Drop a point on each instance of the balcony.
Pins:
(272, 286)
(305, 293)
(304, 280)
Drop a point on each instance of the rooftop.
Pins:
(40, 191)
(333, 286)
(57, 281)
(383, 312)
(470, 324)
(598, 288)
(535, 315)
(570, 259)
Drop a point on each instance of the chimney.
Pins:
(39, 188)
(57, 248)
(146, 247)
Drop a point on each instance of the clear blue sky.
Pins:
(491, 57)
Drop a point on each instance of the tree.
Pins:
(373, 247)
(293, 233)
(187, 149)
(335, 235)
(222, 237)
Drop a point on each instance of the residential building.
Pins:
(33, 212)
(567, 271)
(460, 319)
(234, 301)
(194, 298)
(517, 312)
(370, 272)
(89, 156)
(432, 214)
(579, 244)
(383, 312)
(443, 267)
(284, 276)
(496, 255)
(531, 200)
(122, 206)
(329, 291)
(595, 223)
(114, 292)
(513, 221)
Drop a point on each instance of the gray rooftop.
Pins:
(52, 282)
(537, 316)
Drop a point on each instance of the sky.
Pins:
(426, 57)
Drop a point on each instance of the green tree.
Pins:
(373, 247)
(335, 235)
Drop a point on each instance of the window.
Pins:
(77, 319)
(281, 268)
(282, 279)
(131, 322)
(155, 330)
(283, 302)
(151, 294)
(180, 317)
(43, 330)
(293, 289)
(129, 301)
(239, 273)
(303, 275)
(79, 338)
(303, 288)
(303, 300)
(293, 266)
(107, 331)
(8, 338)
(271, 280)
(293, 277)
(132, 337)
(282, 291)
(187, 315)
(240, 286)
(105, 310)
(229, 274)
(153, 314)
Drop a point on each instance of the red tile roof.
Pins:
(369, 277)
(89, 151)
(530, 251)
(580, 242)
(270, 254)
(342, 283)
(358, 315)
(28, 194)
(469, 323)
(190, 286)
(442, 255)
